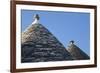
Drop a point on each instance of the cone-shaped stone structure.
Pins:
(76, 52)
(40, 45)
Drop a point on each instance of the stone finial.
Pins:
(71, 42)
(36, 17)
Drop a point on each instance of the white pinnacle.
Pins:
(71, 42)
(36, 19)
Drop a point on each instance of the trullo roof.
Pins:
(76, 52)
(40, 45)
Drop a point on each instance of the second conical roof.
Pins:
(76, 52)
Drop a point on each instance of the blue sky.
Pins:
(65, 26)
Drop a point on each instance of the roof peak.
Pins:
(72, 42)
(36, 19)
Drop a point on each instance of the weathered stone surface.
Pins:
(39, 45)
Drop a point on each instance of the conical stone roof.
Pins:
(76, 52)
(40, 45)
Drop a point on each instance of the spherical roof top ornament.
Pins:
(72, 42)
